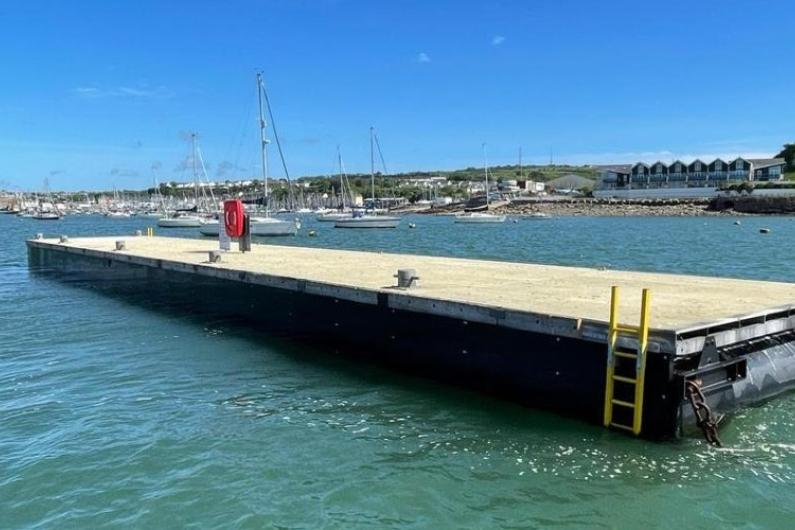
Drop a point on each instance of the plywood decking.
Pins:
(678, 301)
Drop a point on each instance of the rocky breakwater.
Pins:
(754, 204)
(607, 207)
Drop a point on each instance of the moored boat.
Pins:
(332, 217)
(210, 227)
(180, 221)
(481, 217)
(260, 226)
(118, 215)
(268, 226)
(369, 221)
(46, 216)
(478, 217)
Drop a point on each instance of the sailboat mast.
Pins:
(486, 172)
(193, 164)
(342, 179)
(263, 143)
(372, 169)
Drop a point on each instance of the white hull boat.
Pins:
(46, 216)
(535, 216)
(260, 226)
(369, 221)
(182, 221)
(333, 217)
(268, 226)
(210, 228)
(479, 218)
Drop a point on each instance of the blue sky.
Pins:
(94, 94)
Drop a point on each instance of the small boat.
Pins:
(180, 221)
(332, 217)
(268, 226)
(535, 215)
(478, 217)
(343, 212)
(46, 216)
(9, 210)
(369, 221)
(260, 226)
(481, 217)
(118, 215)
(210, 227)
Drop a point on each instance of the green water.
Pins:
(115, 414)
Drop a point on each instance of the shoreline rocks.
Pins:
(626, 208)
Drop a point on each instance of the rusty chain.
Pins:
(704, 417)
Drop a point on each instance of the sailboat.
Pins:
(46, 215)
(261, 226)
(481, 217)
(46, 211)
(364, 220)
(342, 213)
(268, 226)
(183, 219)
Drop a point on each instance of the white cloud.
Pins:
(423, 57)
(140, 92)
(497, 40)
(88, 91)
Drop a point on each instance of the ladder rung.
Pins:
(625, 379)
(625, 427)
(624, 328)
(625, 355)
(623, 403)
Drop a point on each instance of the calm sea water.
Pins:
(115, 414)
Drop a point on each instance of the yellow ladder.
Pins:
(625, 378)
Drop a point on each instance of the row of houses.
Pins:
(680, 179)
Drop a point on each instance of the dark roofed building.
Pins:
(767, 168)
(684, 180)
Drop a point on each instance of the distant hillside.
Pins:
(571, 182)
(511, 172)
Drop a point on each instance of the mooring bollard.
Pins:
(138, 233)
(64, 239)
(407, 278)
(215, 256)
(121, 245)
(39, 236)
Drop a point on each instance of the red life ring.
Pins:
(233, 217)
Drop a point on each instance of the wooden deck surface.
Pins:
(678, 301)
